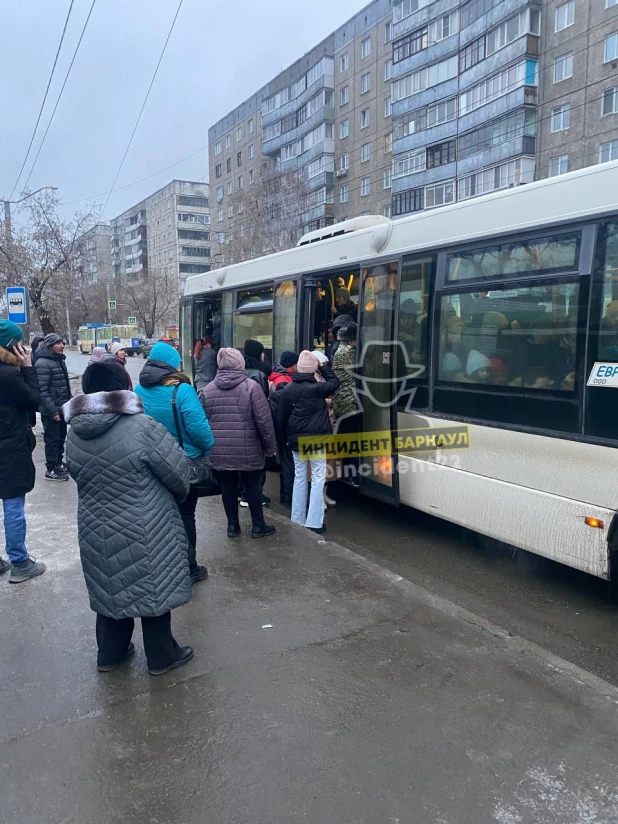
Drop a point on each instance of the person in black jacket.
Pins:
(303, 413)
(55, 391)
(255, 363)
(279, 379)
(19, 399)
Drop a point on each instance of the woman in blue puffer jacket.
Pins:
(159, 378)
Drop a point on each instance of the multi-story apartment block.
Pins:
(167, 233)
(93, 256)
(578, 122)
(413, 104)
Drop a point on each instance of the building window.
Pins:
(218, 148)
(424, 78)
(439, 195)
(365, 119)
(410, 201)
(220, 216)
(228, 141)
(365, 152)
(609, 151)
(344, 129)
(251, 176)
(239, 182)
(511, 29)
(193, 251)
(410, 163)
(228, 164)
(365, 186)
(610, 3)
(558, 165)
(344, 194)
(443, 27)
(218, 170)
(388, 107)
(388, 70)
(365, 48)
(561, 118)
(472, 54)
(611, 47)
(230, 211)
(344, 161)
(344, 95)
(365, 83)
(230, 187)
(344, 62)
(220, 237)
(219, 194)
(563, 67)
(609, 101)
(441, 154)
(565, 15)
(387, 211)
(238, 134)
(388, 143)
(388, 175)
(251, 125)
(524, 73)
(388, 31)
(239, 158)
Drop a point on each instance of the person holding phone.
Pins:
(55, 391)
(19, 400)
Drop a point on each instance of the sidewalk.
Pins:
(367, 702)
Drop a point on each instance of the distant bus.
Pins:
(128, 336)
(90, 336)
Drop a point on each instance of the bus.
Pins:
(90, 336)
(488, 319)
(128, 336)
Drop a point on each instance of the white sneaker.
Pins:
(328, 501)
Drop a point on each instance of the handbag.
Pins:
(202, 475)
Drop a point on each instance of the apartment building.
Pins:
(167, 233)
(578, 121)
(93, 260)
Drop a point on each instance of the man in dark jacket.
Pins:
(55, 391)
(279, 379)
(255, 363)
(19, 399)
(303, 413)
(339, 323)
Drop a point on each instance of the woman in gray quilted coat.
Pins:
(242, 424)
(130, 476)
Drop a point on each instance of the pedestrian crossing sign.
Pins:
(132, 321)
(111, 304)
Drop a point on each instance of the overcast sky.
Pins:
(221, 51)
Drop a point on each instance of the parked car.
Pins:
(150, 342)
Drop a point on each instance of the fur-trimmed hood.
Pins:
(9, 358)
(92, 415)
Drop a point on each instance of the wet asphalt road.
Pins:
(566, 611)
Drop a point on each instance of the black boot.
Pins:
(233, 529)
(262, 529)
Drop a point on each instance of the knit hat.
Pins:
(307, 362)
(253, 349)
(342, 320)
(230, 359)
(98, 354)
(476, 361)
(105, 376)
(8, 331)
(348, 333)
(52, 339)
(116, 347)
(165, 353)
(288, 359)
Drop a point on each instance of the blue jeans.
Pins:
(15, 529)
(314, 518)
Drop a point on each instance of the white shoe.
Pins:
(328, 501)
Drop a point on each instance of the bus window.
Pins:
(285, 318)
(334, 296)
(208, 320)
(608, 334)
(413, 329)
(253, 318)
(227, 319)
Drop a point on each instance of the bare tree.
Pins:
(41, 256)
(267, 215)
(152, 300)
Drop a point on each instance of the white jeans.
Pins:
(313, 519)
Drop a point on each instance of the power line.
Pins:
(139, 117)
(61, 91)
(23, 166)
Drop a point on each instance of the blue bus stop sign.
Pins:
(17, 304)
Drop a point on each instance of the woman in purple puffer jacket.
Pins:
(241, 422)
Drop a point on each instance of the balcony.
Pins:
(275, 143)
(322, 179)
(495, 155)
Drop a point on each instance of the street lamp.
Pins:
(7, 209)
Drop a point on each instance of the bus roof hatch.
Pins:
(355, 224)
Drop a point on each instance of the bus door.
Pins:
(286, 318)
(377, 381)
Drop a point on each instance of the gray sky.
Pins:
(221, 51)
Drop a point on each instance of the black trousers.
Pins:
(113, 638)
(54, 436)
(286, 479)
(252, 483)
(187, 511)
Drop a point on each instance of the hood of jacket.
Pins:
(93, 415)
(155, 371)
(230, 378)
(9, 358)
(260, 365)
(303, 377)
(43, 352)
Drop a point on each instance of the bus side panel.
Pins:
(539, 522)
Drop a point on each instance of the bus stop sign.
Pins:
(17, 304)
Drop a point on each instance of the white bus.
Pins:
(494, 310)
(128, 336)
